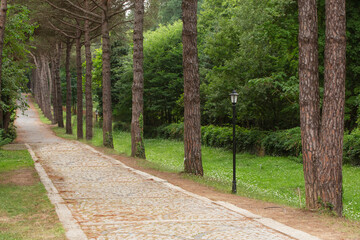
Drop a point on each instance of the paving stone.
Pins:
(106, 200)
(113, 202)
(220, 230)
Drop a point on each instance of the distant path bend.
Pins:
(98, 196)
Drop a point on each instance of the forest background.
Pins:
(247, 45)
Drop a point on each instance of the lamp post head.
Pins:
(234, 95)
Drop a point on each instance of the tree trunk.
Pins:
(32, 81)
(37, 82)
(59, 109)
(106, 77)
(45, 96)
(50, 86)
(137, 121)
(309, 96)
(192, 125)
(53, 89)
(79, 112)
(3, 10)
(88, 94)
(332, 124)
(7, 119)
(322, 144)
(68, 88)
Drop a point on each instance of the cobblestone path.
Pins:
(112, 201)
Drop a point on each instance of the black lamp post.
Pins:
(233, 97)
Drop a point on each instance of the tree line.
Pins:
(61, 23)
(179, 60)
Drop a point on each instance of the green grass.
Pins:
(275, 179)
(25, 210)
(41, 115)
(10, 161)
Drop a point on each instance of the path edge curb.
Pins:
(73, 230)
(268, 222)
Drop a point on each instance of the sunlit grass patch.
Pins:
(10, 161)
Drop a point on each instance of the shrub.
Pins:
(122, 126)
(283, 143)
(351, 150)
(6, 138)
(277, 143)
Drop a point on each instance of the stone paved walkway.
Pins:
(109, 200)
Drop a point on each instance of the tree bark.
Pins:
(332, 124)
(137, 122)
(45, 96)
(322, 143)
(106, 77)
(68, 88)
(309, 96)
(79, 112)
(7, 119)
(59, 109)
(50, 87)
(3, 10)
(88, 76)
(53, 89)
(37, 82)
(192, 124)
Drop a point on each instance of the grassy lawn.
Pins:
(25, 210)
(275, 179)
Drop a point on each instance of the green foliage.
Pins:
(97, 69)
(169, 11)
(97, 79)
(171, 131)
(352, 113)
(351, 150)
(18, 35)
(283, 143)
(250, 46)
(163, 83)
(122, 126)
(121, 81)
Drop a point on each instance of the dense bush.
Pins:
(7, 137)
(283, 143)
(351, 152)
(277, 143)
(122, 126)
(172, 131)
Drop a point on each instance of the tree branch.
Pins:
(95, 28)
(83, 10)
(34, 58)
(117, 24)
(121, 11)
(73, 14)
(98, 5)
(70, 25)
(61, 31)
